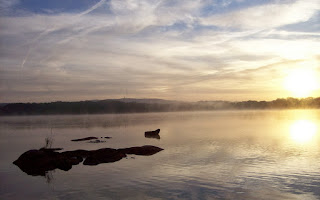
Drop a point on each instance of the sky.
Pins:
(190, 50)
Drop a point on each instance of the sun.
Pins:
(301, 82)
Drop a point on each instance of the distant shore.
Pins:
(150, 105)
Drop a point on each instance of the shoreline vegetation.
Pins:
(126, 105)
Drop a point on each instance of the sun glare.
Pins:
(303, 131)
(301, 82)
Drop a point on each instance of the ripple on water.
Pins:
(215, 155)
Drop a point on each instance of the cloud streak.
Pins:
(266, 16)
(50, 30)
(158, 48)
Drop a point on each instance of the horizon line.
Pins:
(299, 98)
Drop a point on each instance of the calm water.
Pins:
(208, 155)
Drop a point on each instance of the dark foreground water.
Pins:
(207, 155)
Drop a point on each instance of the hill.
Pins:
(149, 105)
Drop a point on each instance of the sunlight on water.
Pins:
(207, 155)
(303, 131)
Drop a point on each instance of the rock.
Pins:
(75, 160)
(51, 149)
(156, 132)
(84, 139)
(75, 153)
(106, 155)
(146, 150)
(38, 162)
(97, 141)
(152, 134)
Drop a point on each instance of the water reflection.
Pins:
(208, 155)
(303, 131)
(152, 136)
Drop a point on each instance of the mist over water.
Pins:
(207, 155)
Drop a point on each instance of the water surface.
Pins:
(207, 155)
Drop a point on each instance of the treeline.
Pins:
(88, 107)
(119, 106)
(288, 103)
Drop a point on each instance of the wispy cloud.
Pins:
(165, 49)
(6, 4)
(266, 16)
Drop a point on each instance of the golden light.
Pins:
(303, 131)
(301, 82)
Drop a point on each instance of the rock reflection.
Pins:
(303, 131)
(152, 136)
(49, 176)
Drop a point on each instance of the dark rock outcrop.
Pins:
(97, 141)
(146, 150)
(84, 139)
(51, 149)
(105, 155)
(38, 162)
(152, 134)
(156, 132)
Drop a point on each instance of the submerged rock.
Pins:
(156, 132)
(97, 141)
(38, 162)
(84, 139)
(105, 155)
(146, 150)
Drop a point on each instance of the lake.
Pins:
(207, 155)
